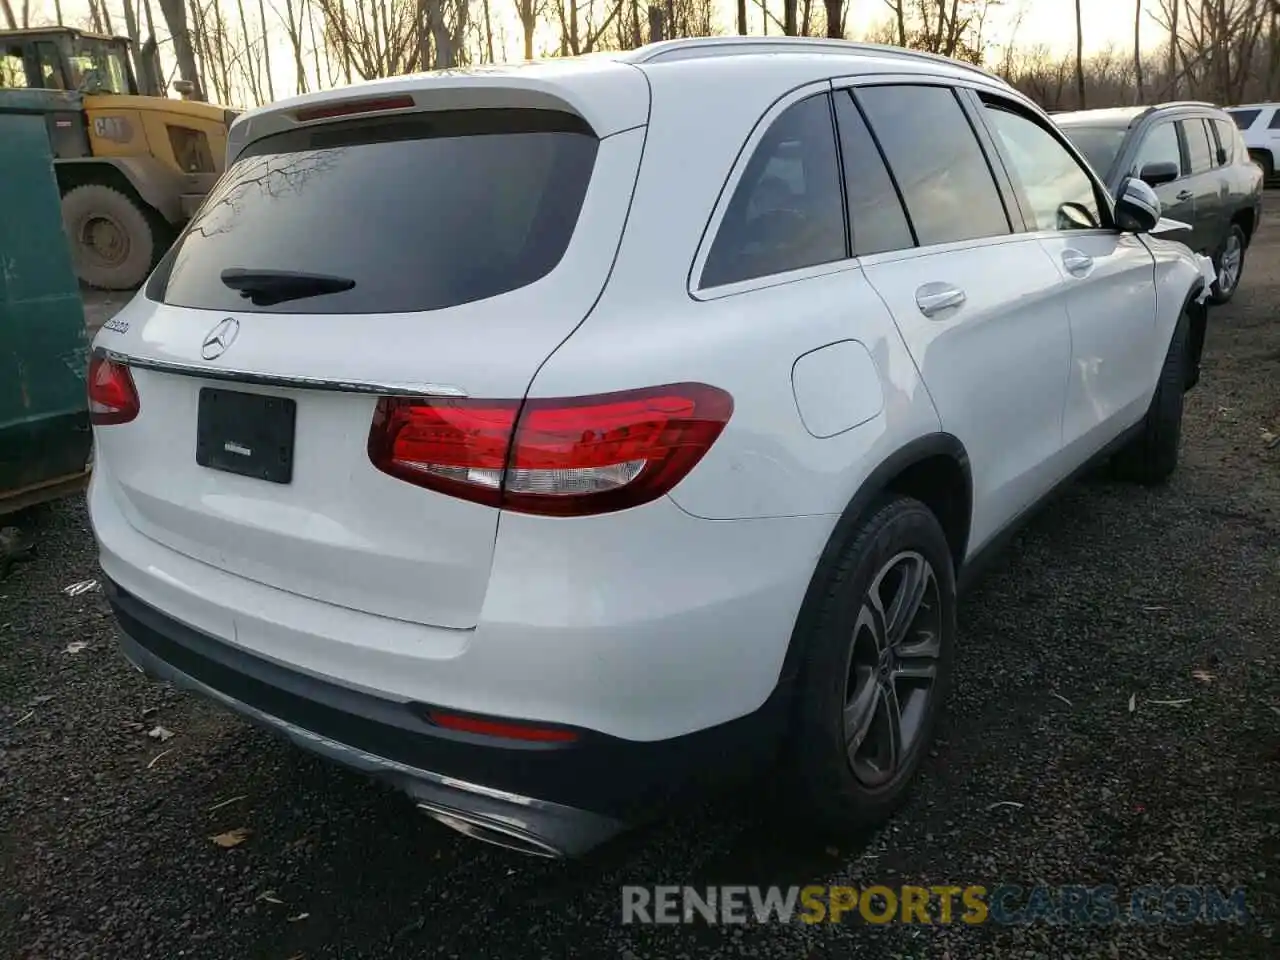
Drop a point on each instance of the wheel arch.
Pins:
(933, 468)
(148, 184)
(1198, 315)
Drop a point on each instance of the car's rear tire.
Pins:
(871, 667)
(1228, 264)
(1151, 457)
(1263, 159)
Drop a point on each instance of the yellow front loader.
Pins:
(132, 166)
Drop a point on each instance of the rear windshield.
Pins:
(402, 214)
(1100, 145)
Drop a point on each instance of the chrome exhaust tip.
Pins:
(487, 830)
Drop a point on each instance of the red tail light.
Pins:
(112, 396)
(564, 457)
(501, 728)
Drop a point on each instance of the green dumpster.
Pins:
(45, 440)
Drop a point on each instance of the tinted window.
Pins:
(876, 216)
(1244, 118)
(50, 67)
(1047, 177)
(1199, 149)
(935, 157)
(786, 212)
(421, 212)
(1275, 121)
(1159, 145)
(1227, 138)
(1100, 145)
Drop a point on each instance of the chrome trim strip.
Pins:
(290, 382)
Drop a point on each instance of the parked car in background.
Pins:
(1259, 125)
(1194, 157)
(577, 466)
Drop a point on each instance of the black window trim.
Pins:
(980, 100)
(851, 229)
(1220, 158)
(694, 285)
(963, 94)
(1186, 145)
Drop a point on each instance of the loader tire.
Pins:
(113, 240)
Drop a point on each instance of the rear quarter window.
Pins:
(1244, 118)
(419, 212)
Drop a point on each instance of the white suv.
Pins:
(548, 439)
(1259, 125)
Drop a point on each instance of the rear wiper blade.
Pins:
(263, 288)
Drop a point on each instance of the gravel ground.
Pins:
(1116, 593)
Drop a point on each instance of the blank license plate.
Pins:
(246, 433)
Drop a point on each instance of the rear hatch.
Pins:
(430, 253)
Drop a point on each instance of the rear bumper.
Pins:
(556, 800)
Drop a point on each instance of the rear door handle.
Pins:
(1185, 195)
(933, 298)
(1077, 263)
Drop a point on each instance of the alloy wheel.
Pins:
(1229, 264)
(893, 668)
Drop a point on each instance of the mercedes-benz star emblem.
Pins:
(220, 339)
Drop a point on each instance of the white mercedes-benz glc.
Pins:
(549, 439)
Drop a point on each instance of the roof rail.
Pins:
(726, 46)
(1186, 103)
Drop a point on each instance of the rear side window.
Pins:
(934, 155)
(1199, 148)
(786, 212)
(1275, 121)
(1244, 118)
(1227, 135)
(403, 214)
(877, 220)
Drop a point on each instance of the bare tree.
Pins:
(835, 10)
(9, 18)
(1079, 56)
(1216, 47)
(899, 11)
(1137, 50)
(293, 20)
(266, 51)
(576, 33)
(529, 12)
(218, 49)
(175, 16)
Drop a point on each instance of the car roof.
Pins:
(1108, 117)
(1126, 116)
(608, 90)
